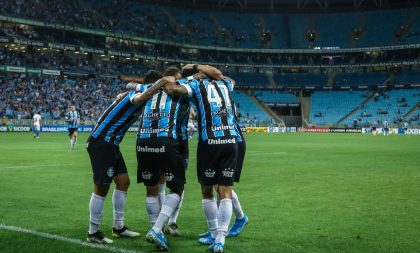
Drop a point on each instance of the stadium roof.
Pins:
(291, 5)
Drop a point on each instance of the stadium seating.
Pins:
(328, 107)
(273, 96)
(250, 112)
(369, 78)
(390, 106)
(407, 78)
(24, 95)
(300, 79)
(221, 28)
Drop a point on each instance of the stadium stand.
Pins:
(250, 112)
(273, 96)
(369, 78)
(221, 28)
(388, 105)
(300, 79)
(328, 107)
(24, 94)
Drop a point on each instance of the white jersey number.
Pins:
(213, 96)
(162, 103)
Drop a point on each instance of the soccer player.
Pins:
(374, 127)
(182, 121)
(386, 128)
(217, 147)
(108, 163)
(36, 123)
(241, 219)
(72, 119)
(158, 154)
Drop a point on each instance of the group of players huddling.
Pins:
(162, 104)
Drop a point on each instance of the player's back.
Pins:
(116, 120)
(215, 108)
(37, 119)
(160, 116)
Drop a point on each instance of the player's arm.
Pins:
(141, 98)
(176, 90)
(121, 95)
(208, 70)
(231, 81)
(66, 119)
(132, 86)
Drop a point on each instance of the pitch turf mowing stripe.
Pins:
(66, 239)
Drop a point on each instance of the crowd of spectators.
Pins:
(123, 16)
(23, 94)
(50, 59)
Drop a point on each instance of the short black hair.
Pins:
(189, 72)
(171, 71)
(152, 76)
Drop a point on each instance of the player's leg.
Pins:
(75, 135)
(119, 197)
(240, 218)
(206, 174)
(38, 130)
(175, 179)
(161, 189)
(147, 175)
(70, 138)
(225, 178)
(172, 227)
(148, 172)
(101, 156)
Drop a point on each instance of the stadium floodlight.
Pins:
(102, 55)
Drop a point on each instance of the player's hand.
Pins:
(188, 66)
(131, 86)
(121, 95)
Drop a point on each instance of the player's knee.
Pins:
(225, 191)
(122, 182)
(207, 191)
(176, 188)
(152, 191)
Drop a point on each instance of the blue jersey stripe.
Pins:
(110, 116)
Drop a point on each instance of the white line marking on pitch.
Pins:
(67, 239)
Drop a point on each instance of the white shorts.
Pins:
(37, 127)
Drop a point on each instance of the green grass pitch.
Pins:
(302, 192)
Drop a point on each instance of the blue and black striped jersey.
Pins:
(117, 119)
(182, 121)
(215, 110)
(72, 123)
(160, 116)
(240, 136)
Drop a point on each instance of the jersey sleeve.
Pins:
(142, 87)
(190, 84)
(131, 95)
(229, 84)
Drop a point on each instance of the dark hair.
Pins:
(171, 71)
(152, 76)
(189, 72)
